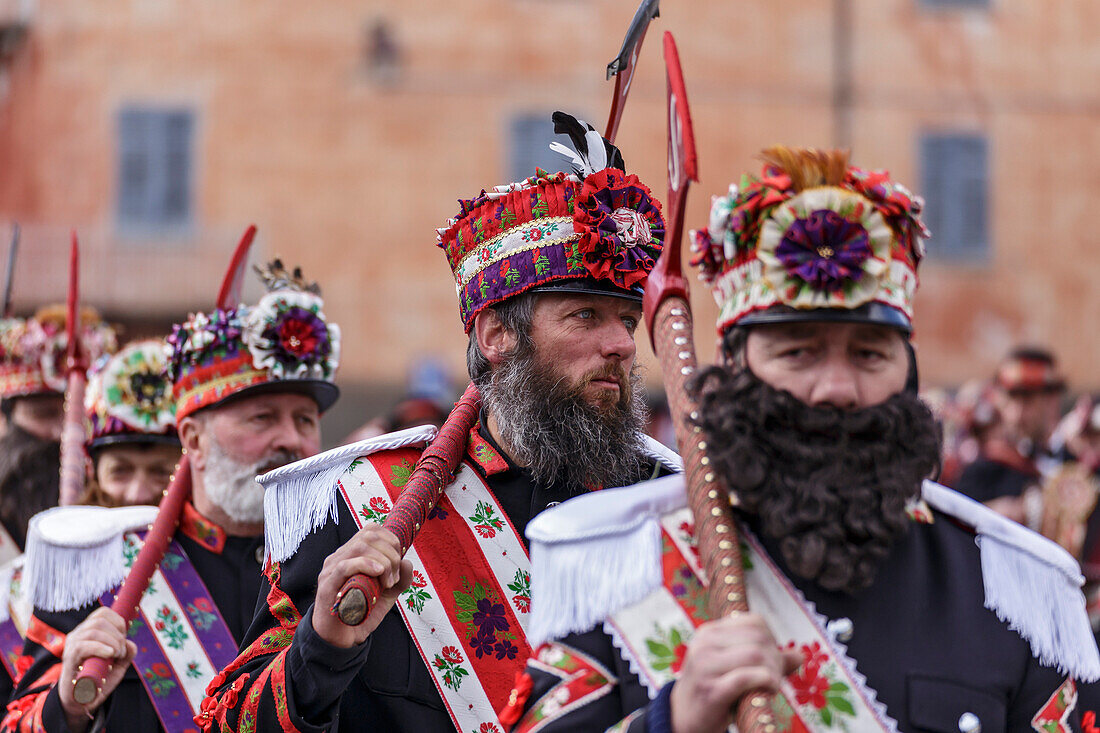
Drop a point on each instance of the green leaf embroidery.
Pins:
(400, 474)
(464, 601)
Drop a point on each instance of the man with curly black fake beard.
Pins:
(881, 600)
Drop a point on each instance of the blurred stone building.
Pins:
(347, 130)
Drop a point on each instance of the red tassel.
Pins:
(517, 700)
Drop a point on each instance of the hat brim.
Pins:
(107, 441)
(590, 286)
(323, 393)
(878, 314)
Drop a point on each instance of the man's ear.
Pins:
(191, 431)
(494, 340)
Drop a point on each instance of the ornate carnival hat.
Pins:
(812, 239)
(129, 398)
(1029, 370)
(282, 344)
(33, 350)
(596, 229)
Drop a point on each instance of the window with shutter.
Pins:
(155, 163)
(955, 186)
(948, 4)
(530, 136)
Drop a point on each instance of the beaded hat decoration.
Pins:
(596, 229)
(33, 350)
(282, 344)
(812, 239)
(129, 398)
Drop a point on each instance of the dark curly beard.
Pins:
(549, 427)
(829, 487)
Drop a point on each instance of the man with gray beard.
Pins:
(550, 273)
(250, 385)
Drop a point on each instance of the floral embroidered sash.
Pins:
(181, 637)
(468, 604)
(825, 694)
(14, 628)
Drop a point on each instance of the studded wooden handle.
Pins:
(433, 472)
(715, 530)
(72, 440)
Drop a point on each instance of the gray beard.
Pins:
(232, 487)
(551, 429)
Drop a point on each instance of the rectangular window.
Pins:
(530, 135)
(951, 4)
(155, 170)
(955, 185)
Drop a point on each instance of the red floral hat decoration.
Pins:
(811, 239)
(284, 344)
(33, 350)
(597, 229)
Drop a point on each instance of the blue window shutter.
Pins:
(530, 135)
(955, 185)
(155, 148)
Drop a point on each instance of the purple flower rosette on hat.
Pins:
(826, 247)
(824, 250)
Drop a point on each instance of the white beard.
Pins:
(232, 487)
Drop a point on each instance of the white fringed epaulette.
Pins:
(595, 554)
(74, 553)
(1031, 583)
(598, 553)
(300, 496)
(662, 454)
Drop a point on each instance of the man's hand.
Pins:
(725, 659)
(375, 552)
(102, 634)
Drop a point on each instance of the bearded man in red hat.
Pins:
(549, 273)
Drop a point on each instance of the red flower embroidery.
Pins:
(22, 664)
(159, 625)
(488, 728)
(418, 580)
(485, 530)
(678, 653)
(452, 655)
(813, 657)
(297, 337)
(380, 505)
(161, 670)
(809, 686)
(523, 603)
(203, 604)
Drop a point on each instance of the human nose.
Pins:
(618, 342)
(288, 438)
(837, 385)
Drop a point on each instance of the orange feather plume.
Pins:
(808, 167)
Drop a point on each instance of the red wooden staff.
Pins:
(433, 473)
(72, 431)
(436, 467)
(668, 319)
(94, 671)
